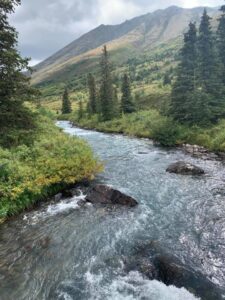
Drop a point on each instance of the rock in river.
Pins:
(106, 195)
(184, 168)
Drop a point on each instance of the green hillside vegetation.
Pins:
(163, 130)
(178, 95)
(37, 159)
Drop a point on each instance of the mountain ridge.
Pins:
(139, 34)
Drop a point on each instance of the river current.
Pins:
(64, 252)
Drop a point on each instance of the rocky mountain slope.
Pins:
(129, 39)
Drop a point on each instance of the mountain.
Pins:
(129, 39)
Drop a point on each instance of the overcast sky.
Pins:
(46, 26)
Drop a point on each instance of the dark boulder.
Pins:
(106, 195)
(74, 192)
(172, 272)
(184, 168)
(141, 264)
(152, 261)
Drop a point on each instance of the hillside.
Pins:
(134, 38)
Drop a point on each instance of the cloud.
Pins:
(46, 26)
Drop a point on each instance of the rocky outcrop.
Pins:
(106, 195)
(184, 168)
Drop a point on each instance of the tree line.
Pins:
(198, 93)
(104, 101)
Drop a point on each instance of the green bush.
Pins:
(55, 160)
(151, 124)
(166, 132)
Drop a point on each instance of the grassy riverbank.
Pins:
(151, 124)
(32, 173)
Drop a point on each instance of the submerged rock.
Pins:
(153, 262)
(106, 195)
(184, 168)
(141, 264)
(58, 197)
(172, 272)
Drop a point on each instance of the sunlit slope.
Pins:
(129, 39)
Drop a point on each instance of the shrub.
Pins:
(54, 161)
(166, 132)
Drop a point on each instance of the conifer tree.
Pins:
(92, 103)
(14, 85)
(185, 84)
(221, 42)
(209, 76)
(127, 105)
(116, 103)
(66, 104)
(206, 55)
(106, 88)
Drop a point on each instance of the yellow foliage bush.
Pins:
(54, 161)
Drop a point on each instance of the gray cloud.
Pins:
(46, 26)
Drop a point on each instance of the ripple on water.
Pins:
(62, 252)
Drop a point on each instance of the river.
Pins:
(61, 251)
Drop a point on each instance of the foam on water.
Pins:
(134, 286)
(65, 205)
(62, 206)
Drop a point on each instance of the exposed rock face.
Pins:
(184, 168)
(106, 195)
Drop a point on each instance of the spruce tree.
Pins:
(185, 84)
(221, 42)
(66, 104)
(14, 85)
(209, 76)
(206, 55)
(106, 88)
(127, 105)
(92, 103)
(116, 103)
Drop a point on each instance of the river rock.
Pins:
(71, 192)
(201, 152)
(58, 197)
(141, 264)
(153, 262)
(172, 272)
(184, 168)
(106, 195)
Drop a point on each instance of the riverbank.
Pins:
(33, 173)
(163, 130)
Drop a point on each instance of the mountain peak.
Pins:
(138, 34)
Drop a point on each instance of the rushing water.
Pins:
(61, 251)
